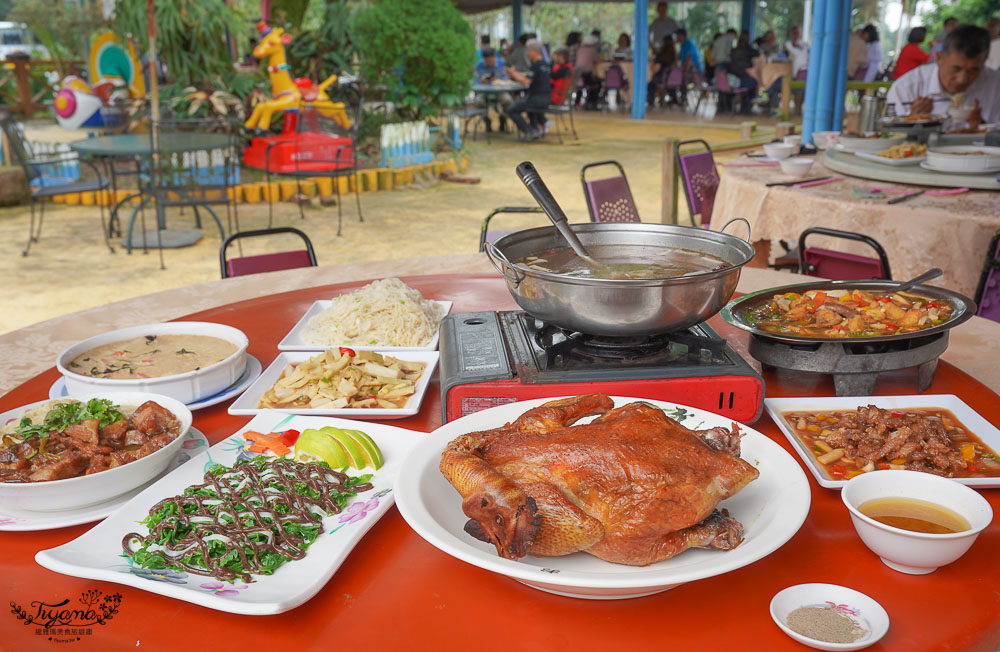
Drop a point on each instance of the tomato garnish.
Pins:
(289, 437)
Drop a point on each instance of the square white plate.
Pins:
(97, 554)
(293, 340)
(969, 418)
(894, 162)
(247, 403)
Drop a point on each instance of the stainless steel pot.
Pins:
(622, 307)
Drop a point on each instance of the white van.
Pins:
(17, 39)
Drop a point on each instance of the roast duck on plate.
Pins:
(633, 486)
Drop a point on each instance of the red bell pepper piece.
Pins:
(346, 351)
(289, 437)
(837, 471)
(818, 299)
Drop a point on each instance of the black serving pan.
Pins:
(736, 310)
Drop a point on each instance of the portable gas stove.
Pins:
(490, 358)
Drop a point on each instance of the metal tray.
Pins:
(736, 310)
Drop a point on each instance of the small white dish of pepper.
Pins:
(829, 617)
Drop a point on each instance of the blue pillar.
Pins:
(845, 38)
(515, 10)
(826, 94)
(640, 59)
(748, 18)
(812, 74)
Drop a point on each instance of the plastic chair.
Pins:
(723, 88)
(614, 80)
(675, 83)
(243, 265)
(988, 293)
(485, 235)
(840, 266)
(700, 179)
(609, 199)
(43, 186)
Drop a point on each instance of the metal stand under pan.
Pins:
(855, 366)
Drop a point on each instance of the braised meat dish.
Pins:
(69, 439)
(848, 313)
(632, 486)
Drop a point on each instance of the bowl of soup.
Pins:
(650, 278)
(186, 360)
(915, 522)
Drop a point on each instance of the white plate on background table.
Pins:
(250, 374)
(771, 509)
(293, 340)
(894, 162)
(97, 553)
(14, 520)
(969, 418)
(927, 166)
(247, 403)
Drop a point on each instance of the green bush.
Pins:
(421, 51)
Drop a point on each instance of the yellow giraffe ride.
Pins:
(289, 94)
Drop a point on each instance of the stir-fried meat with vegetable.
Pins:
(848, 313)
(931, 440)
(69, 439)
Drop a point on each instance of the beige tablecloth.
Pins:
(950, 232)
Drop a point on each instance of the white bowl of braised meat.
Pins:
(915, 522)
(86, 449)
(188, 361)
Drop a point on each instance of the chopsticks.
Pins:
(795, 183)
(898, 200)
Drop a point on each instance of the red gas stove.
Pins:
(490, 358)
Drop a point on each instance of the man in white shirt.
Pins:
(797, 49)
(960, 69)
(663, 25)
(993, 58)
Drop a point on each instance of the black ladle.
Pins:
(527, 173)
(926, 276)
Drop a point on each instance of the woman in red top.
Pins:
(561, 77)
(911, 56)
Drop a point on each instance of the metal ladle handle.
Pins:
(528, 175)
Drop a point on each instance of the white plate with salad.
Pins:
(98, 554)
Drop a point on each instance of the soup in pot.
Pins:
(625, 262)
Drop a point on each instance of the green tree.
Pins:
(421, 51)
(973, 12)
(328, 47)
(70, 25)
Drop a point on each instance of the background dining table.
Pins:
(396, 591)
(950, 231)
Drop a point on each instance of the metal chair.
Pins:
(485, 235)
(988, 293)
(614, 80)
(475, 116)
(561, 111)
(326, 149)
(700, 179)
(841, 266)
(674, 84)
(609, 199)
(273, 262)
(196, 179)
(42, 186)
(723, 88)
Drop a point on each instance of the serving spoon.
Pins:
(917, 280)
(528, 175)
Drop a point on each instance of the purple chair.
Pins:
(675, 82)
(609, 199)
(988, 294)
(614, 80)
(273, 262)
(840, 266)
(859, 75)
(723, 87)
(700, 179)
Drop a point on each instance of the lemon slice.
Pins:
(372, 451)
(318, 445)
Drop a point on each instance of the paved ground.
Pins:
(70, 269)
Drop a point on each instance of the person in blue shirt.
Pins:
(489, 71)
(689, 60)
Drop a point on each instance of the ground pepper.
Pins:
(824, 624)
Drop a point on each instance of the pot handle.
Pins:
(737, 219)
(494, 255)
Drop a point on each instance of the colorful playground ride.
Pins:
(115, 74)
(297, 149)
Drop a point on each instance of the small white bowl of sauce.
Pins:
(915, 522)
(829, 617)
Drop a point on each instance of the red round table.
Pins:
(396, 591)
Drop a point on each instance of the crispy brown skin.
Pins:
(632, 487)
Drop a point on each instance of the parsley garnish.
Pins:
(64, 415)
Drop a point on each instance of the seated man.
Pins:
(536, 99)
(488, 71)
(959, 77)
(689, 60)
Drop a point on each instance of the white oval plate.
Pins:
(894, 162)
(250, 374)
(925, 165)
(14, 520)
(771, 509)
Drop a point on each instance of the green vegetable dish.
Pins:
(245, 520)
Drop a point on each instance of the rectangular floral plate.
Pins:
(98, 554)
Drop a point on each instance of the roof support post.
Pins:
(640, 58)
(748, 18)
(830, 65)
(813, 70)
(845, 38)
(515, 17)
